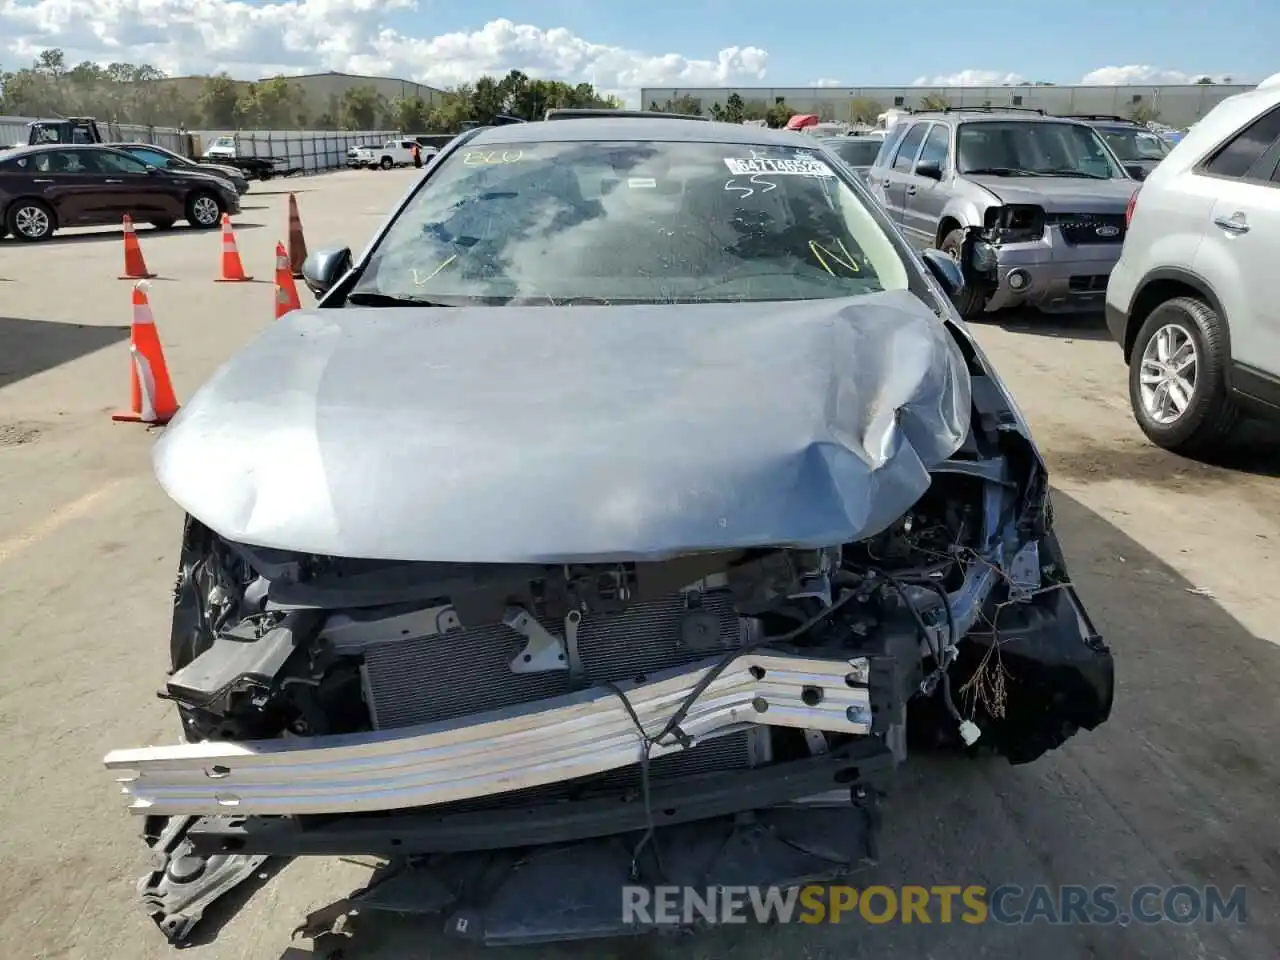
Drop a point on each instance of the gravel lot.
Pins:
(1177, 561)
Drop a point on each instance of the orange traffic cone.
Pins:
(286, 290)
(297, 245)
(232, 268)
(152, 399)
(135, 267)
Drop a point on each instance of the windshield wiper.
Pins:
(1067, 172)
(999, 172)
(386, 300)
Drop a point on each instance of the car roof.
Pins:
(994, 115)
(25, 149)
(581, 129)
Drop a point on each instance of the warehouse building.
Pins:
(1177, 106)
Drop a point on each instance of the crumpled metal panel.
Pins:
(571, 434)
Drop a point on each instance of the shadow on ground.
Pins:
(1178, 788)
(1082, 326)
(144, 232)
(28, 347)
(1253, 449)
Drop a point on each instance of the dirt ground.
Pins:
(1177, 561)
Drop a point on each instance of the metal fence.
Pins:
(306, 151)
(13, 130)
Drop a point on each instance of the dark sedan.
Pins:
(168, 160)
(858, 152)
(45, 188)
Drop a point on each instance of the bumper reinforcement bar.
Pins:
(533, 744)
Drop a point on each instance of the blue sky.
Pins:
(884, 44)
(622, 47)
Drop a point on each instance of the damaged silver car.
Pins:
(622, 515)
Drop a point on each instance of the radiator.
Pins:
(423, 679)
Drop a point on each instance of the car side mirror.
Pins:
(322, 269)
(929, 168)
(945, 270)
(1136, 170)
(151, 168)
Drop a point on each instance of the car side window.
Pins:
(59, 161)
(906, 155)
(108, 161)
(884, 156)
(937, 146)
(155, 159)
(1242, 152)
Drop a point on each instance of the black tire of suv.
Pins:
(386, 163)
(971, 302)
(1211, 415)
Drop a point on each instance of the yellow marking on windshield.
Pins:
(419, 282)
(844, 258)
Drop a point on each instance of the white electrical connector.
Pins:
(969, 732)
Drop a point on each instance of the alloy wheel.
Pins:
(205, 210)
(31, 222)
(1168, 373)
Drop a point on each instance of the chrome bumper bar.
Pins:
(533, 744)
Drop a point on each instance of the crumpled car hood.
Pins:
(1062, 194)
(571, 434)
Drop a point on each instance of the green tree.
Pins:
(734, 109)
(864, 110)
(755, 110)
(778, 115)
(361, 107)
(1205, 81)
(1143, 113)
(717, 111)
(934, 101)
(217, 102)
(272, 104)
(410, 114)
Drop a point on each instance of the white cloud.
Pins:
(1103, 76)
(970, 78)
(255, 38)
(1141, 73)
(826, 82)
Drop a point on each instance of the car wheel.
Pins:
(386, 163)
(162, 224)
(1177, 378)
(203, 210)
(971, 301)
(30, 221)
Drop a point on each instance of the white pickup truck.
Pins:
(393, 153)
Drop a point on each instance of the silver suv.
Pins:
(1031, 206)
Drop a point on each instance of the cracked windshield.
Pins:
(1023, 149)
(626, 222)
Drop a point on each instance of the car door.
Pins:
(122, 185)
(894, 183)
(61, 180)
(1241, 243)
(925, 197)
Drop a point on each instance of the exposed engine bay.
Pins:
(348, 706)
(775, 588)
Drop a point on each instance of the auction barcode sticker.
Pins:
(798, 168)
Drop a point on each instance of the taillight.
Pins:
(1128, 210)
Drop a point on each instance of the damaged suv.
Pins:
(620, 516)
(1032, 207)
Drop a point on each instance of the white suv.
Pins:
(1192, 301)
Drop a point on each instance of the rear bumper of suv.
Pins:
(1057, 277)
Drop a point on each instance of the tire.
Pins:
(971, 302)
(1209, 414)
(386, 163)
(30, 221)
(204, 210)
(162, 224)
